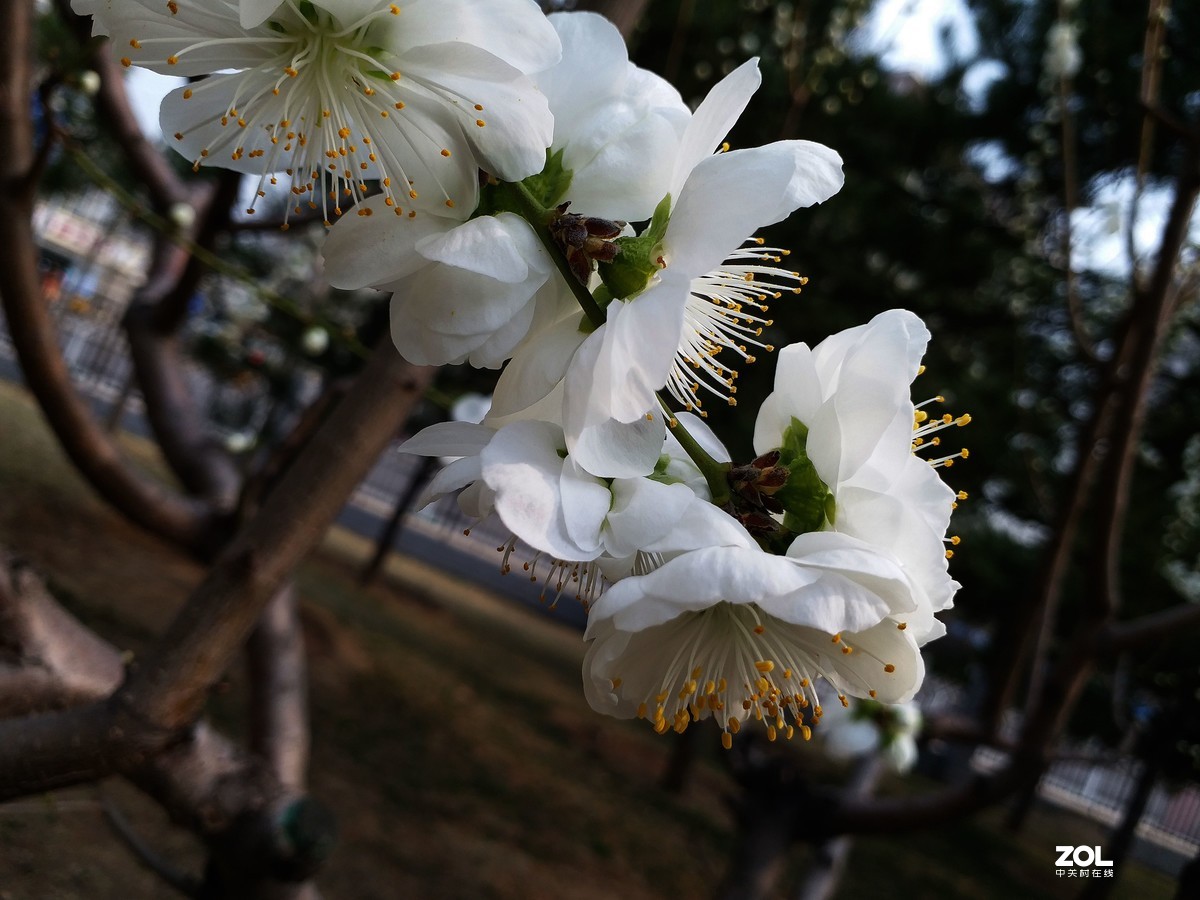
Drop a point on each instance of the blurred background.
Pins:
(1020, 173)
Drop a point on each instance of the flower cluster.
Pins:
(493, 160)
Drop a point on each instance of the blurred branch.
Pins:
(165, 693)
(165, 187)
(1150, 629)
(48, 660)
(89, 447)
(1148, 94)
(151, 323)
(279, 689)
(1149, 320)
(824, 876)
(1070, 161)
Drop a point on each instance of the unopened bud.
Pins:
(182, 215)
(315, 340)
(89, 82)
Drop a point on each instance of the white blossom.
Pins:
(460, 291)
(848, 400)
(709, 624)
(708, 292)
(418, 94)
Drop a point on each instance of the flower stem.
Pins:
(517, 198)
(528, 207)
(715, 473)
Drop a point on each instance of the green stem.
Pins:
(518, 198)
(540, 218)
(715, 473)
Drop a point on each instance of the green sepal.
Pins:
(637, 262)
(550, 185)
(807, 501)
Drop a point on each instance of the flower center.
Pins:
(733, 662)
(316, 100)
(726, 311)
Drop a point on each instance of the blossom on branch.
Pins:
(693, 284)
(835, 576)
(473, 291)
(843, 412)
(417, 94)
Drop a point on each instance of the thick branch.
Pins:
(48, 660)
(166, 692)
(207, 784)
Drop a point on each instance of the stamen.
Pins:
(724, 312)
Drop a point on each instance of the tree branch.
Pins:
(165, 693)
(1150, 318)
(279, 689)
(1150, 629)
(151, 322)
(89, 447)
(48, 660)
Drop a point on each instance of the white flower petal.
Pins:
(502, 247)
(642, 511)
(449, 439)
(612, 449)
(729, 196)
(522, 465)
(537, 368)
(518, 126)
(713, 119)
(514, 31)
(377, 249)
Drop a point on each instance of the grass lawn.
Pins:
(451, 739)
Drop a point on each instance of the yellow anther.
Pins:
(765, 665)
(726, 739)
